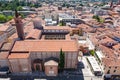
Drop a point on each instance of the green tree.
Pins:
(1, 9)
(101, 20)
(81, 4)
(67, 5)
(19, 8)
(9, 18)
(62, 60)
(22, 15)
(22, 3)
(3, 18)
(36, 5)
(31, 5)
(15, 3)
(61, 24)
(63, 5)
(92, 52)
(96, 17)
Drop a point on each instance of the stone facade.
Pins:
(70, 57)
(113, 70)
(20, 65)
(28, 64)
(3, 62)
(51, 68)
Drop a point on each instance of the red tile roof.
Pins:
(34, 34)
(4, 27)
(45, 45)
(57, 27)
(111, 62)
(18, 55)
(109, 53)
(4, 55)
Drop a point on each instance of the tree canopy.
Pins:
(92, 52)
(4, 18)
(19, 8)
(101, 20)
(16, 4)
(9, 18)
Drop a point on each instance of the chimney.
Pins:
(19, 26)
(111, 4)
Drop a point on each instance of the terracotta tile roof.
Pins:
(94, 39)
(85, 27)
(88, 15)
(93, 22)
(117, 48)
(2, 32)
(6, 46)
(4, 27)
(29, 27)
(10, 22)
(14, 36)
(4, 55)
(106, 40)
(109, 53)
(106, 16)
(102, 29)
(57, 27)
(114, 14)
(45, 45)
(18, 55)
(51, 62)
(34, 34)
(111, 62)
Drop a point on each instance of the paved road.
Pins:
(67, 77)
(86, 71)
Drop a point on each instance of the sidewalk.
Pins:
(86, 71)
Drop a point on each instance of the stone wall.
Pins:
(71, 58)
(20, 65)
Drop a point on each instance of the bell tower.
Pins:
(19, 26)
